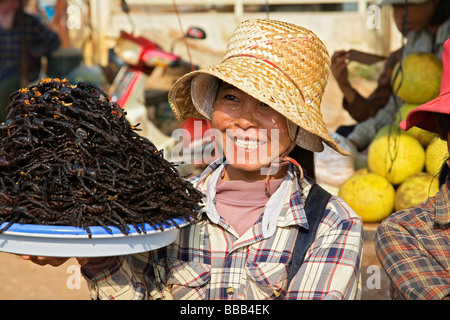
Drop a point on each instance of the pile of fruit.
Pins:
(402, 167)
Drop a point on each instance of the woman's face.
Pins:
(418, 15)
(250, 133)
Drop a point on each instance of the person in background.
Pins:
(426, 27)
(413, 245)
(38, 41)
(267, 121)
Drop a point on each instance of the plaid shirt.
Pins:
(413, 246)
(39, 41)
(209, 261)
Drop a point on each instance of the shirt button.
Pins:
(230, 291)
(276, 293)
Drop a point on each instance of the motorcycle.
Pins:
(141, 57)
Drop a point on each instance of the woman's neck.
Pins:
(232, 173)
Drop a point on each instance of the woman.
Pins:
(413, 244)
(263, 101)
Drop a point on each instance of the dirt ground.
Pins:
(23, 280)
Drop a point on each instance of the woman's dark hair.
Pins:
(306, 159)
(442, 125)
(442, 13)
(443, 128)
(443, 174)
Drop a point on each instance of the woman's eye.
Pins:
(230, 97)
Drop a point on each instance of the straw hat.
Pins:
(281, 64)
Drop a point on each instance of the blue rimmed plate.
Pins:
(67, 241)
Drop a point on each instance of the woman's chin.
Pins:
(255, 170)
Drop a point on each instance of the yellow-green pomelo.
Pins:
(435, 156)
(361, 171)
(424, 136)
(419, 79)
(371, 196)
(415, 190)
(396, 156)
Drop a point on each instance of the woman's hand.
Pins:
(52, 261)
(42, 261)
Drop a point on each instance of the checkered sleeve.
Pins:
(414, 273)
(127, 278)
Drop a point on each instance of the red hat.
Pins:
(422, 116)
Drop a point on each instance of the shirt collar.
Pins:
(293, 212)
(201, 180)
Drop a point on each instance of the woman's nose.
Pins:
(247, 116)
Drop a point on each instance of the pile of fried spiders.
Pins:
(68, 156)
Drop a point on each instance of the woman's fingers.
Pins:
(42, 261)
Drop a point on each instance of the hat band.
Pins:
(272, 64)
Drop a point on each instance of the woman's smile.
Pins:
(248, 150)
(247, 143)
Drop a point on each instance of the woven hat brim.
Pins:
(263, 82)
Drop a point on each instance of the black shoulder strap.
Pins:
(314, 208)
